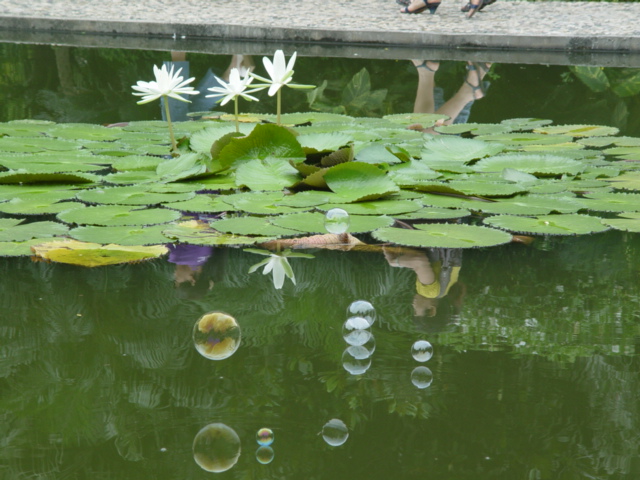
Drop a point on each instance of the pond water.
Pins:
(533, 373)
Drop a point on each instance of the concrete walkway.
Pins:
(545, 31)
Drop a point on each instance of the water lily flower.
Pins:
(234, 88)
(280, 74)
(167, 84)
(277, 264)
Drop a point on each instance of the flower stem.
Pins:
(278, 104)
(174, 147)
(235, 100)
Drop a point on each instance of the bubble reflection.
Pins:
(421, 377)
(216, 448)
(335, 432)
(356, 360)
(264, 454)
(336, 221)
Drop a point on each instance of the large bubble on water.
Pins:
(422, 351)
(216, 335)
(336, 221)
(335, 432)
(363, 309)
(265, 436)
(421, 377)
(356, 360)
(216, 448)
(264, 454)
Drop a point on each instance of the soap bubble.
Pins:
(421, 377)
(264, 454)
(356, 364)
(264, 436)
(216, 335)
(421, 351)
(335, 432)
(337, 221)
(357, 337)
(362, 308)
(216, 448)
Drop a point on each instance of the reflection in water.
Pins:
(356, 360)
(421, 351)
(335, 432)
(363, 309)
(216, 448)
(337, 221)
(265, 436)
(421, 377)
(356, 336)
(216, 336)
(264, 454)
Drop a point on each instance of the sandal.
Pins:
(484, 3)
(473, 8)
(431, 6)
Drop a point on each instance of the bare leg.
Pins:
(424, 94)
(469, 91)
(244, 63)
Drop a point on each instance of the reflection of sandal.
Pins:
(431, 6)
(476, 90)
(425, 65)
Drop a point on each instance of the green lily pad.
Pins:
(202, 140)
(136, 195)
(36, 144)
(131, 178)
(198, 233)
(378, 207)
(578, 130)
(299, 118)
(95, 255)
(136, 163)
(313, 222)
(84, 131)
(526, 138)
(24, 177)
(457, 149)
(148, 235)
(258, 203)
(626, 181)
(268, 174)
(607, 202)
(376, 154)
(20, 249)
(412, 173)
(635, 151)
(203, 203)
(473, 128)
(534, 164)
(427, 120)
(435, 213)
(533, 205)
(185, 166)
(307, 199)
(251, 226)
(323, 142)
(118, 215)
(628, 222)
(12, 230)
(359, 181)
(486, 189)
(443, 236)
(548, 224)
(522, 124)
(39, 203)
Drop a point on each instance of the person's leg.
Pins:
(470, 91)
(426, 82)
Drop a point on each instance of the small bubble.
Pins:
(264, 454)
(421, 377)
(335, 432)
(265, 436)
(421, 351)
(163, 449)
(336, 221)
(362, 308)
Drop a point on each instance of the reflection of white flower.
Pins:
(277, 264)
(166, 84)
(280, 73)
(234, 88)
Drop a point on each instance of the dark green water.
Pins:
(534, 367)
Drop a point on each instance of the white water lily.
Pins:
(234, 88)
(277, 264)
(167, 84)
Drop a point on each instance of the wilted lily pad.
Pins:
(548, 224)
(94, 254)
(443, 236)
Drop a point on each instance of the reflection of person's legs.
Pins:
(470, 91)
(426, 82)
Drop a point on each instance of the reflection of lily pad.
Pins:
(548, 224)
(443, 236)
(93, 254)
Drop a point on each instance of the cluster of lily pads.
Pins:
(464, 185)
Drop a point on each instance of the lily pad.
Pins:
(198, 233)
(427, 120)
(121, 235)
(323, 142)
(359, 181)
(525, 138)
(473, 128)
(534, 164)
(313, 222)
(117, 215)
(137, 195)
(548, 224)
(578, 130)
(443, 236)
(39, 203)
(626, 181)
(12, 230)
(376, 154)
(378, 207)
(435, 213)
(533, 205)
(269, 174)
(25, 177)
(95, 255)
(203, 203)
(628, 222)
(265, 203)
(412, 173)
(522, 124)
(20, 249)
(608, 202)
(459, 149)
(251, 226)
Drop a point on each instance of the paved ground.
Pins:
(582, 32)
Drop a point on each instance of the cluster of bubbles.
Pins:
(337, 221)
(216, 335)
(264, 454)
(356, 359)
(421, 376)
